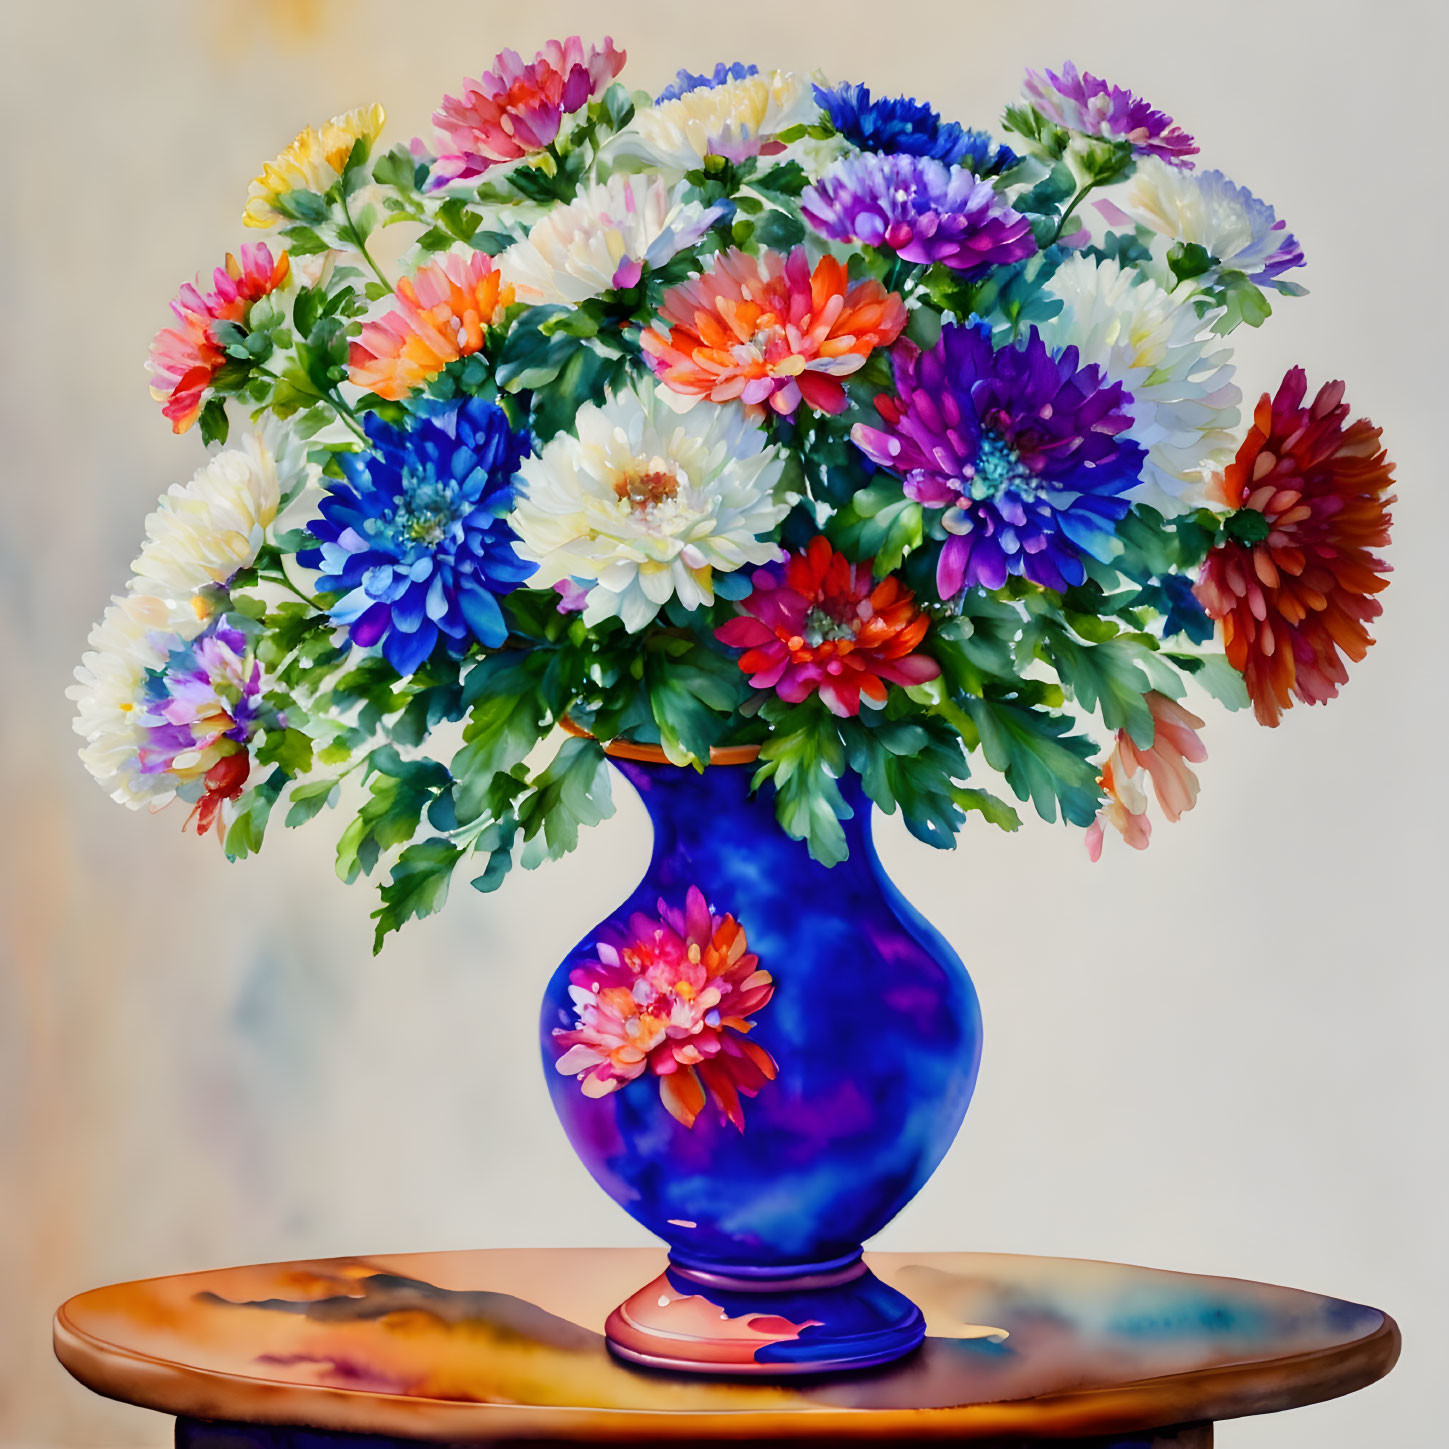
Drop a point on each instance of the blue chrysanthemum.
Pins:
(900, 124)
(1022, 449)
(686, 81)
(416, 539)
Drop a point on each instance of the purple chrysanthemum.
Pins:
(1079, 101)
(1022, 448)
(922, 210)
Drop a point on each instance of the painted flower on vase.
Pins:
(671, 996)
(1293, 578)
(1175, 745)
(825, 625)
(922, 209)
(736, 119)
(1079, 101)
(185, 360)
(901, 125)
(165, 710)
(604, 240)
(767, 330)
(642, 504)
(417, 540)
(1022, 448)
(517, 108)
(1205, 208)
(311, 163)
(443, 311)
(685, 80)
(1178, 375)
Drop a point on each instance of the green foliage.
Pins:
(1041, 761)
(572, 792)
(419, 886)
(399, 791)
(244, 834)
(879, 522)
(804, 758)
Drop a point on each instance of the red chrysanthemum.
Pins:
(185, 360)
(766, 329)
(829, 626)
(1294, 578)
(672, 996)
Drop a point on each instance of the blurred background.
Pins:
(1224, 1055)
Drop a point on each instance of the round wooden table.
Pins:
(506, 1346)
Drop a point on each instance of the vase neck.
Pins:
(702, 811)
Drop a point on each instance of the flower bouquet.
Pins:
(766, 425)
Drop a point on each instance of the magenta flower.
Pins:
(1080, 102)
(517, 108)
(919, 208)
(671, 996)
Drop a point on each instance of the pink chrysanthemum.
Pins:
(765, 329)
(516, 109)
(672, 996)
(441, 315)
(1079, 101)
(829, 626)
(1165, 762)
(184, 360)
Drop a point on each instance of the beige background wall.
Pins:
(1225, 1055)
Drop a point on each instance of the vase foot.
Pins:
(700, 1322)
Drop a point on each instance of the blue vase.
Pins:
(760, 1059)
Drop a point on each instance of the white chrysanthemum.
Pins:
(130, 639)
(641, 505)
(206, 530)
(731, 120)
(1184, 401)
(1205, 207)
(604, 239)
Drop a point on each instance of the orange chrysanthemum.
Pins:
(766, 329)
(1293, 580)
(442, 313)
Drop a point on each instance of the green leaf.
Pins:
(213, 421)
(419, 886)
(288, 748)
(507, 719)
(571, 793)
(244, 835)
(400, 790)
(1216, 676)
(1041, 762)
(879, 522)
(1186, 260)
(693, 697)
(303, 241)
(804, 758)
(779, 230)
(789, 179)
(1107, 678)
(531, 358)
(308, 800)
(455, 217)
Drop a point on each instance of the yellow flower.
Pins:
(311, 163)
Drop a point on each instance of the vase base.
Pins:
(711, 1323)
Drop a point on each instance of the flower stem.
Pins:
(362, 246)
(1075, 202)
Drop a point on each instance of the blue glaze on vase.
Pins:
(874, 1026)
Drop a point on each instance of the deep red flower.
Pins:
(225, 780)
(1293, 579)
(828, 626)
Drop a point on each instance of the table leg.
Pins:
(205, 1434)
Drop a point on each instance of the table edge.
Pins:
(1236, 1391)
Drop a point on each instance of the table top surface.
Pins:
(472, 1346)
